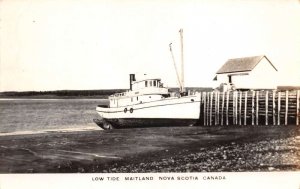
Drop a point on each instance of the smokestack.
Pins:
(131, 79)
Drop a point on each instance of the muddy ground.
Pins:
(161, 149)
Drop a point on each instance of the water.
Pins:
(21, 116)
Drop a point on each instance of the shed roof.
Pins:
(242, 64)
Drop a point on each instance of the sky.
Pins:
(96, 44)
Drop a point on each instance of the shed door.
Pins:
(230, 78)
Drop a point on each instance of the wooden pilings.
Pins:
(250, 107)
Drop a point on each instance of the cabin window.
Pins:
(150, 83)
(137, 98)
(154, 83)
(161, 85)
(146, 83)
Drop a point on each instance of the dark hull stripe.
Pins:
(148, 107)
(149, 122)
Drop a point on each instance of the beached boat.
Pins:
(149, 103)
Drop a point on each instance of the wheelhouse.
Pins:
(141, 91)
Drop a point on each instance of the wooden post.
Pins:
(216, 108)
(210, 107)
(274, 108)
(297, 109)
(207, 108)
(267, 104)
(200, 106)
(204, 108)
(236, 107)
(252, 111)
(257, 106)
(245, 109)
(279, 104)
(222, 115)
(227, 104)
(286, 107)
(233, 107)
(240, 108)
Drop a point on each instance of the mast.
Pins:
(182, 63)
(177, 74)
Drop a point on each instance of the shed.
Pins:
(256, 72)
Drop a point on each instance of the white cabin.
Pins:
(255, 72)
(142, 90)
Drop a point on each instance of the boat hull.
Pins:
(183, 111)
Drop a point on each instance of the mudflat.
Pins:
(156, 149)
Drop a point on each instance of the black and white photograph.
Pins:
(144, 94)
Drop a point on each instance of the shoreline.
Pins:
(8, 99)
(44, 97)
(65, 130)
(165, 149)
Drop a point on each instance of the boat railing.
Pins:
(118, 94)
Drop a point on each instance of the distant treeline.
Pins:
(288, 88)
(104, 93)
(63, 93)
